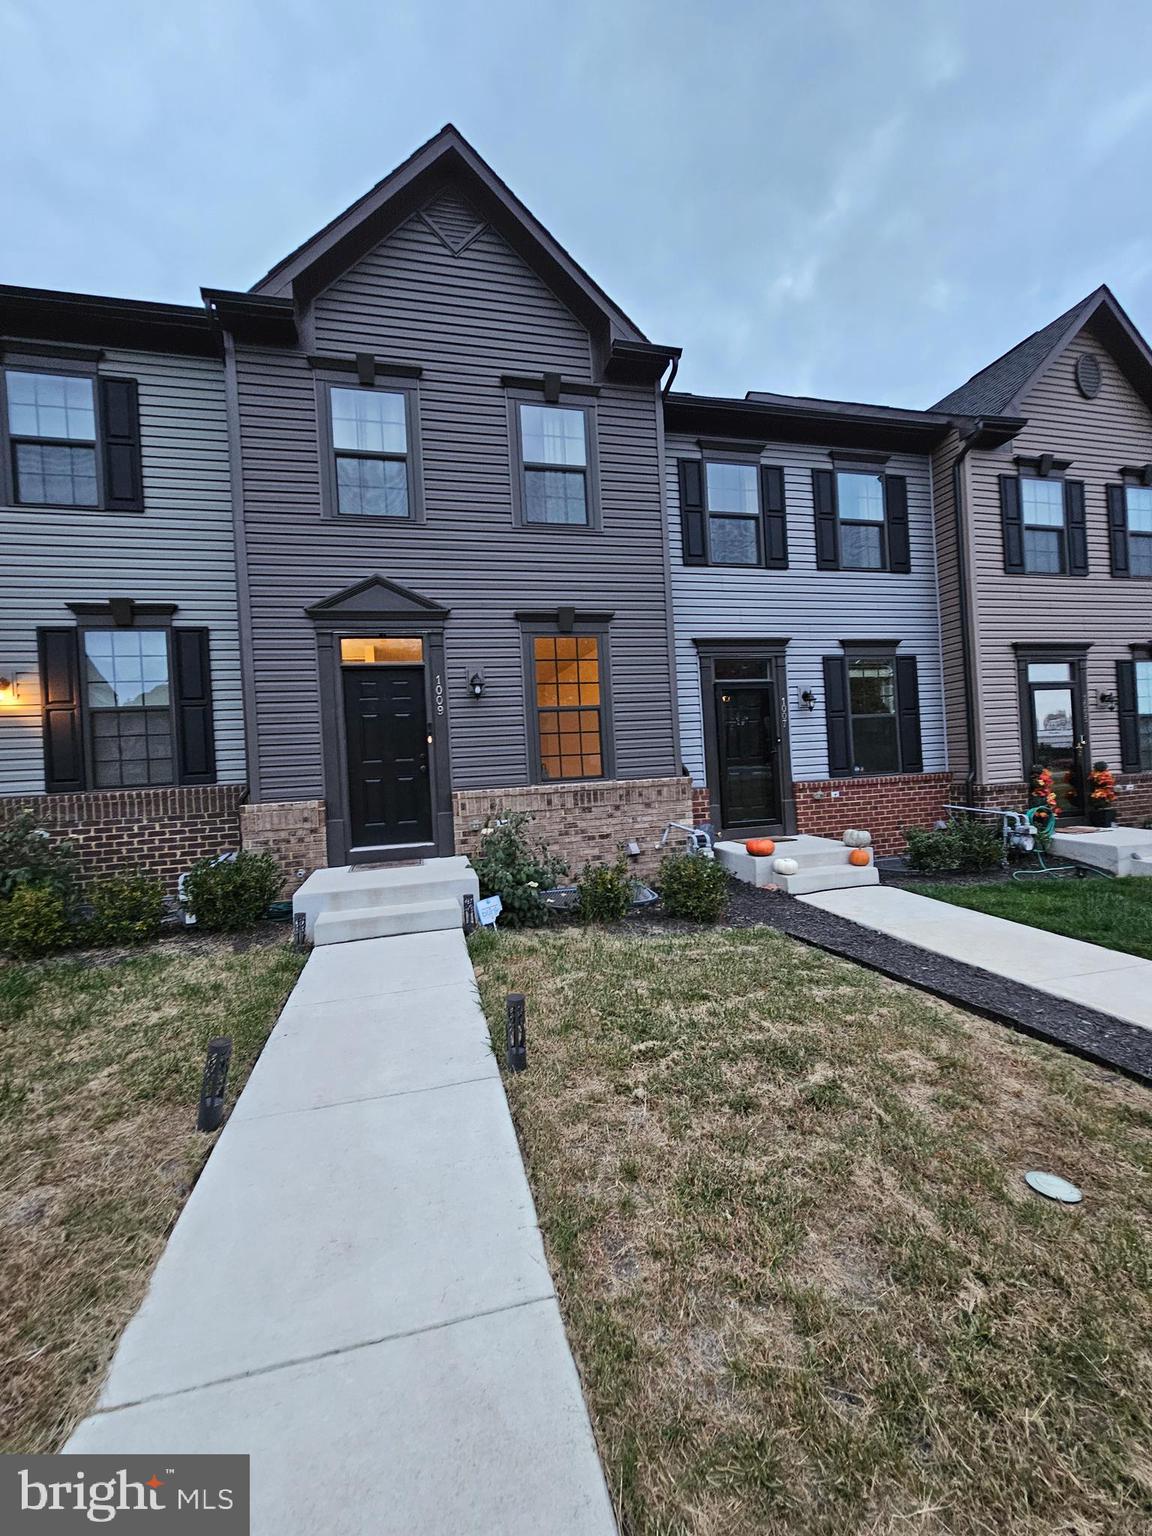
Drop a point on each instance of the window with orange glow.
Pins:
(388, 650)
(568, 705)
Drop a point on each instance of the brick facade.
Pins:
(882, 805)
(1133, 806)
(582, 822)
(701, 805)
(293, 831)
(160, 831)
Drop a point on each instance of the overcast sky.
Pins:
(861, 199)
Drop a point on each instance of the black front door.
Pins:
(749, 754)
(1055, 723)
(389, 794)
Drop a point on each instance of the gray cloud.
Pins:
(867, 199)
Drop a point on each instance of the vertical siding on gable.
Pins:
(814, 609)
(1098, 436)
(465, 320)
(178, 550)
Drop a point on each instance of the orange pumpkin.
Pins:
(760, 847)
(859, 857)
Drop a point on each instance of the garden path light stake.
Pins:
(215, 1079)
(299, 930)
(471, 921)
(516, 1053)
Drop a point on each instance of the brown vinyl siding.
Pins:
(1112, 613)
(951, 605)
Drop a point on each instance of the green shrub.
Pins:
(34, 921)
(29, 858)
(966, 845)
(229, 894)
(126, 908)
(604, 892)
(692, 887)
(517, 871)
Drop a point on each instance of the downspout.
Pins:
(967, 655)
(671, 378)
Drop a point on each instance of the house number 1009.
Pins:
(439, 694)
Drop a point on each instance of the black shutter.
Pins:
(896, 521)
(836, 710)
(774, 512)
(120, 425)
(827, 532)
(1118, 529)
(694, 545)
(60, 703)
(1012, 522)
(1128, 716)
(908, 707)
(1077, 527)
(195, 740)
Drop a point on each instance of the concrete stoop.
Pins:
(1117, 850)
(823, 865)
(349, 903)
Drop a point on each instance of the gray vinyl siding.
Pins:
(951, 615)
(178, 550)
(1111, 613)
(814, 609)
(465, 320)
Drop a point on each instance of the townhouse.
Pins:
(121, 723)
(416, 530)
(1044, 526)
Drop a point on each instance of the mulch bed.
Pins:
(1098, 1037)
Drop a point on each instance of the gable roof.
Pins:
(998, 389)
(375, 597)
(412, 185)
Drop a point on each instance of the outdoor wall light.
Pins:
(476, 685)
(9, 688)
(1105, 700)
(808, 700)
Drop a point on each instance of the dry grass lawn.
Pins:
(100, 1068)
(805, 1283)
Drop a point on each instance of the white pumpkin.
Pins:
(786, 866)
(854, 838)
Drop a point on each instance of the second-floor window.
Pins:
(1138, 501)
(733, 501)
(554, 464)
(370, 444)
(1042, 516)
(860, 512)
(52, 433)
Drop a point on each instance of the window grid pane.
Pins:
(567, 673)
(368, 421)
(1043, 551)
(555, 496)
(734, 540)
(55, 475)
(732, 488)
(1140, 554)
(51, 405)
(1042, 503)
(861, 547)
(1139, 499)
(552, 434)
(859, 497)
(131, 747)
(126, 669)
(371, 487)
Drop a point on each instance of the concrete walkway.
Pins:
(356, 1293)
(1104, 979)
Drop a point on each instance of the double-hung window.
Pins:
(554, 464)
(872, 706)
(1045, 533)
(52, 438)
(370, 443)
(568, 703)
(1143, 671)
(1138, 503)
(860, 513)
(733, 503)
(129, 707)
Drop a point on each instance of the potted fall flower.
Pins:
(1042, 798)
(1101, 796)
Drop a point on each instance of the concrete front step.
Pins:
(1116, 850)
(342, 925)
(823, 865)
(360, 889)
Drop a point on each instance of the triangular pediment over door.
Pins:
(377, 598)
